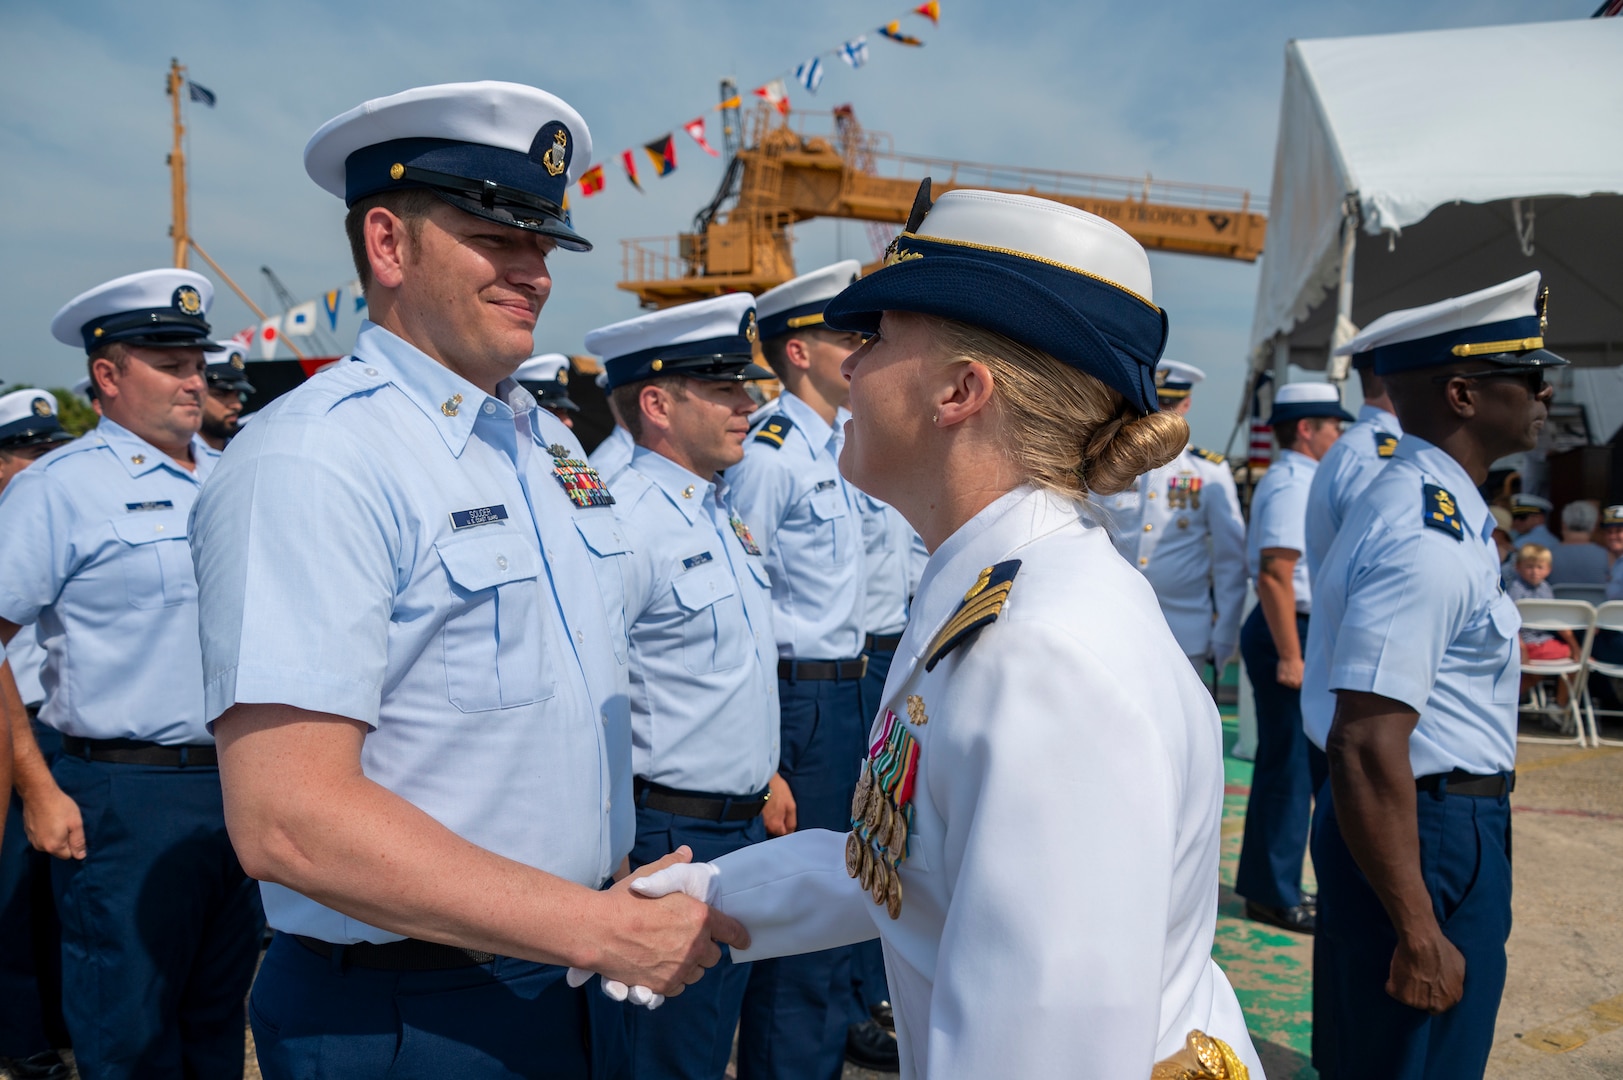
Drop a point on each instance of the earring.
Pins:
(934, 417)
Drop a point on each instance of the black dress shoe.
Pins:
(883, 1015)
(1299, 919)
(1310, 900)
(45, 1065)
(869, 1046)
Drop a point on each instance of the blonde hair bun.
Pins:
(1128, 447)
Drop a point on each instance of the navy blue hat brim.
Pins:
(33, 435)
(1532, 358)
(1001, 293)
(1310, 410)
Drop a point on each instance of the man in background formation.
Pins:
(1348, 467)
(1181, 526)
(228, 390)
(1307, 419)
(704, 681)
(30, 939)
(547, 378)
(160, 926)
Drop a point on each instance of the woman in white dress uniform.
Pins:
(1035, 837)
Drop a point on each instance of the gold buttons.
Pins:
(1143, 560)
(657, 365)
(396, 171)
(1148, 527)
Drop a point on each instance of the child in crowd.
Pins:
(1528, 583)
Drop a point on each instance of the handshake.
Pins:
(680, 952)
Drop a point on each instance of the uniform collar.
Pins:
(451, 403)
(1297, 460)
(814, 427)
(1379, 417)
(1009, 522)
(674, 480)
(140, 457)
(1437, 464)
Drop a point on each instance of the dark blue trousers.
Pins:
(868, 984)
(1287, 771)
(797, 1008)
(1360, 1031)
(690, 1037)
(315, 1016)
(30, 938)
(160, 927)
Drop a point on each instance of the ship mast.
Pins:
(178, 229)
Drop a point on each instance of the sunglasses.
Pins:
(1532, 378)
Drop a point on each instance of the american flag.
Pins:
(201, 93)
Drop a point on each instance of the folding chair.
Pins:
(1589, 594)
(1608, 616)
(1553, 615)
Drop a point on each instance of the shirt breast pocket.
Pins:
(607, 543)
(833, 525)
(712, 625)
(494, 655)
(155, 558)
(1504, 627)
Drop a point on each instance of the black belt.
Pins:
(698, 804)
(812, 670)
(140, 752)
(882, 643)
(408, 955)
(1460, 782)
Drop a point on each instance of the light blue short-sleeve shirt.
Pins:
(1279, 519)
(1344, 474)
(27, 660)
(889, 548)
(613, 454)
(388, 543)
(93, 548)
(1415, 612)
(807, 521)
(704, 681)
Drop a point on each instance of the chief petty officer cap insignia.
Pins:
(1174, 379)
(1502, 325)
(1049, 276)
(1530, 504)
(774, 430)
(1306, 400)
(1611, 516)
(799, 304)
(156, 309)
(981, 605)
(1441, 511)
(502, 151)
(227, 367)
(707, 339)
(28, 418)
(547, 377)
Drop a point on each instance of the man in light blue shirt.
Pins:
(611, 456)
(1307, 420)
(160, 927)
(1412, 685)
(807, 520)
(1362, 451)
(414, 647)
(30, 937)
(704, 685)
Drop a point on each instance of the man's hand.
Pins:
(52, 821)
(1289, 672)
(1428, 973)
(663, 944)
(779, 814)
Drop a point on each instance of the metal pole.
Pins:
(177, 169)
(1337, 367)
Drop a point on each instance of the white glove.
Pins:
(702, 881)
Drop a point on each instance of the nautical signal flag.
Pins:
(591, 181)
(810, 74)
(855, 51)
(695, 128)
(893, 30)
(300, 319)
(731, 103)
(931, 11)
(631, 168)
(662, 152)
(329, 304)
(775, 95)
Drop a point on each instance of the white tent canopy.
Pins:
(1480, 154)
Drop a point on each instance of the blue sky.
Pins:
(1181, 90)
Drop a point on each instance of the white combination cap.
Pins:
(800, 302)
(157, 308)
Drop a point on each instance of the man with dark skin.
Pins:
(1413, 852)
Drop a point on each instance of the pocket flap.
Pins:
(484, 562)
(146, 526)
(762, 578)
(827, 505)
(1507, 619)
(698, 589)
(602, 534)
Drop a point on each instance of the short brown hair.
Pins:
(410, 206)
(1285, 430)
(1533, 553)
(1065, 430)
(627, 399)
(774, 350)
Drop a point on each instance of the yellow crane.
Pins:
(779, 175)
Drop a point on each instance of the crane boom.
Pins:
(780, 176)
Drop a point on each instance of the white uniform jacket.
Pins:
(1060, 891)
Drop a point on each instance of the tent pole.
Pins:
(1337, 367)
